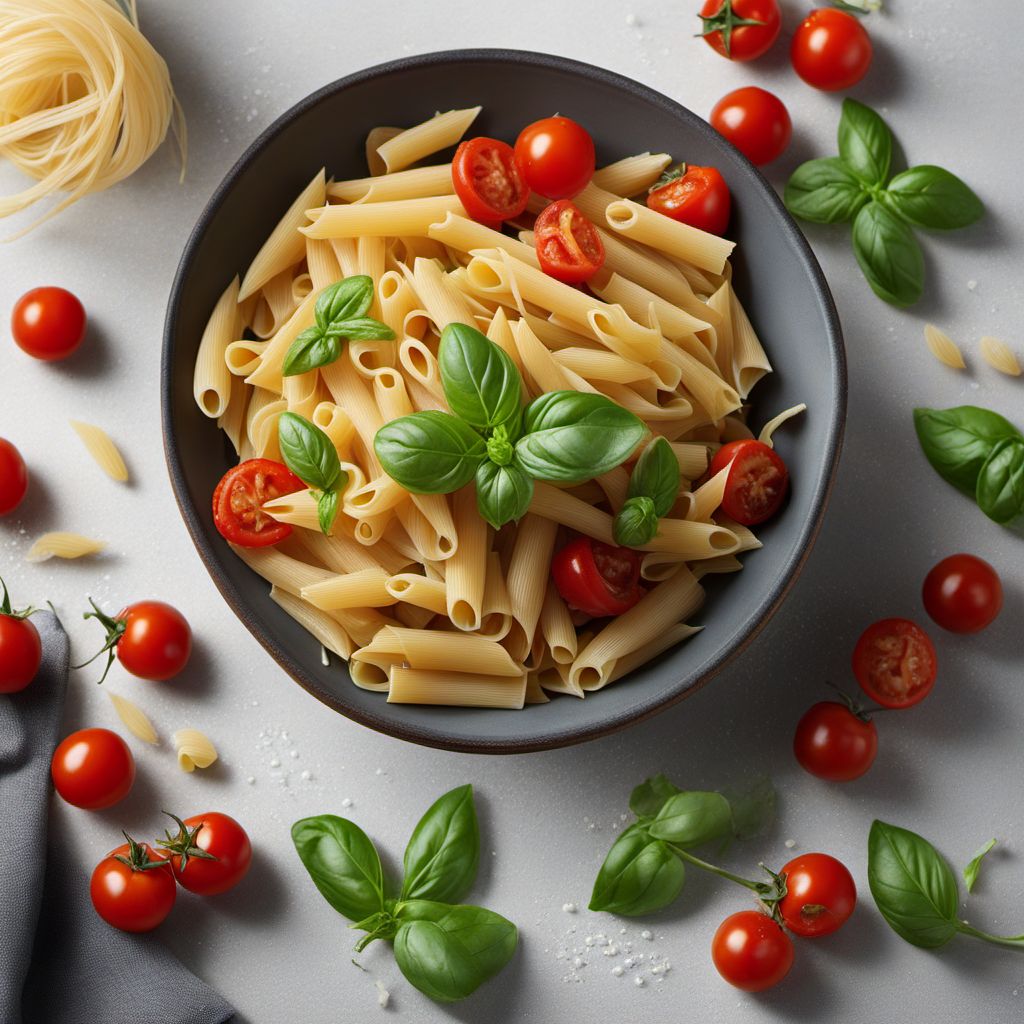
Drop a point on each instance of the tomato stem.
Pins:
(138, 858)
(724, 20)
(115, 630)
(10, 612)
(184, 843)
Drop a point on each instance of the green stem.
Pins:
(1013, 941)
(689, 858)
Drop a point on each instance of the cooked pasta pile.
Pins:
(424, 600)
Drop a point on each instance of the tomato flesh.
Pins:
(755, 122)
(93, 769)
(745, 42)
(13, 477)
(751, 951)
(820, 895)
(831, 50)
(757, 480)
(48, 323)
(239, 498)
(223, 838)
(568, 245)
(597, 579)
(895, 663)
(556, 157)
(487, 180)
(963, 594)
(699, 197)
(129, 899)
(156, 642)
(833, 743)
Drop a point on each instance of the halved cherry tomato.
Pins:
(20, 648)
(239, 498)
(13, 477)
(963, 594)
(834, 743)
(820, 895)
(694, 195)
(210, 853)
(487, 181)
(568, 246)
(757, 480)
(48, 323)
(895, 663)
(751, 951)
(597, 578)
(556, 157)
(755, 121)
(93, 769)
(741, 29)
(132, 888)
(831, 50)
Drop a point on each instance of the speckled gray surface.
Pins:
(950, 768)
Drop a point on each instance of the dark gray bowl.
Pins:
(775, 273)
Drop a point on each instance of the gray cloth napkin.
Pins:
(59, 962)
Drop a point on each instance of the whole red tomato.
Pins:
(741, 29)
(831, 50)
(755, 122)
(13, 477)
(93, 769)
(751, 951)
(132, 888)
(556, 157)
(151, 639)
(20, 649)
(210, 853)
(963, 594)
(835, 743)
(820, 895)
(48, 323)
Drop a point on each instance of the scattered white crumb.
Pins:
(251, 779)
(971, 285)
(569, 908)
(639, 981)
(347, 802)
(632, 20)
(293, 753)
(618, 970)
(645, 934)
(383, 995)
(275, 762)
(578, 962)
(789, 844)
(307, 775)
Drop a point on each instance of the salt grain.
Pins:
(569, 908)
(275, 762)
(307, 775)
(346, 802)
(645, 934)
(638, 981)
(618, 971)
(579, 962)
(789, 844)
(383, 995)
(251, 779)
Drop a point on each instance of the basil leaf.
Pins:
(753, 807)
(571, 436)
(308, 351)
(974, 867)
(344, 300)
(640, 874)
(361, 328)
(429, 452)
(308, 452)
(647, 799)
(957, 441)
(825, 192)
(656, 476)
(932, 197)
(1000, 492)
(327, 508)
(635, 523)
(889, 255)
(481, 383)
(914, 888)
(865, 143)
(503, 493)
(343, 864)
(448, 952)
(441, 859)
(692, 819)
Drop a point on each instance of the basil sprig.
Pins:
(916, 890)
(980, 453)
(488, 437)
(856, 187)
(340, 314)
(310, 454)
(446, 949)
(653, 489)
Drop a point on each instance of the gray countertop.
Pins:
(950, 768)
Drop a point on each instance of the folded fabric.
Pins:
(59, 962)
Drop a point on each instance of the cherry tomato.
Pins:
(694, 195)
(210, 853)
(13, 477)
(963, 594)
(751, 951)
(755, 122)
(132, 888)
(93, 769)
(20, 648)
(568, 246)
(48, 323)
(239, 498)
(820, 895)
(596, 578)
(150, 638)
(556, 157)
(728, 27)
(831, 50)
(834, 743)
(487, 180)
(895, 663)
(757, 480)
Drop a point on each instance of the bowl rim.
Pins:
(631, 714)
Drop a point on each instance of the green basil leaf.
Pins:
(429, 452)
(932, 197)
(753, 807)
(308, 452)
(889, 255)
(1000, 491)
(914, 888)
(361, 328)
(825, 192)
(571, 436)
(308, 351)
(344, 300)
(974, 867)
(481, 383)
(957, 441)
(503, 493)
(635, 523)
(441, 859)
(327, 506)
(692, 819)
(865, 143)
(343, 863)
(656, 476)
(641, 874)
(448, 952)
(648, 798)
